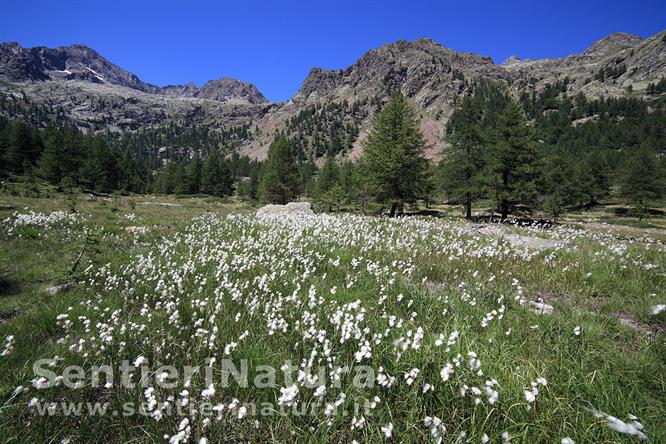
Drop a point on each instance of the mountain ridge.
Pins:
(97, 95)
(80, 62)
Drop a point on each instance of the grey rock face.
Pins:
(76, 62)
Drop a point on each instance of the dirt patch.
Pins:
(550, 297)
(628, 320)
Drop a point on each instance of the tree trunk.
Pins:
(505, 211)
(468, 209)
(394, 207)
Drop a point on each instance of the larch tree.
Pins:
(511, 165)
(280, 181)
(643, 180)
(462, 168)
(393, 166)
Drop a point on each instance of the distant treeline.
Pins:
(107, 163)
(545, 151)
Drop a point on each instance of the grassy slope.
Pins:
(610, 366)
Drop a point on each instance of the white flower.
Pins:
(288, 395)
(529, 396)
(208, 392)
(320, 392)
(387, 430)
(242, 411)
(577, 330)
(568, 441)
(658, 309)
(446, 372)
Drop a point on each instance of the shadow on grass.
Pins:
(8, 285)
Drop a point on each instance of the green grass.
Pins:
(217, 267)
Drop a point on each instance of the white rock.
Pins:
(292, 208)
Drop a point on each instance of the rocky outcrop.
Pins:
(231, 91)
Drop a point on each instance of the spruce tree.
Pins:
(392, 166)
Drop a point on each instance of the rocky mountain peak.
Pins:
(616, 42)
(422, 69)
(79, 62)
(511, 60)
(231, 91)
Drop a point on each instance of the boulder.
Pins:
(292, 208)
(55, 289)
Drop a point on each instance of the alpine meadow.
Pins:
(425, 246)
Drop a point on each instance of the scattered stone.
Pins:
(136, 230)
(541, 308)
(485, 229)
(549, 296)
(292, 208)
(55, 289)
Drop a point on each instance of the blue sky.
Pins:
(274, 44)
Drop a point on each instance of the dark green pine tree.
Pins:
(462, 169)
(511, 163)
(99, 169)
(51, 165)
(392, 166)
(348, 181)
(644, 179)
(216, 178)
(557, 185)
(328, 176)
(280, 182)
(193, 175)
(21, 150)
(592, 177)
(308, 171)
(4, 146)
